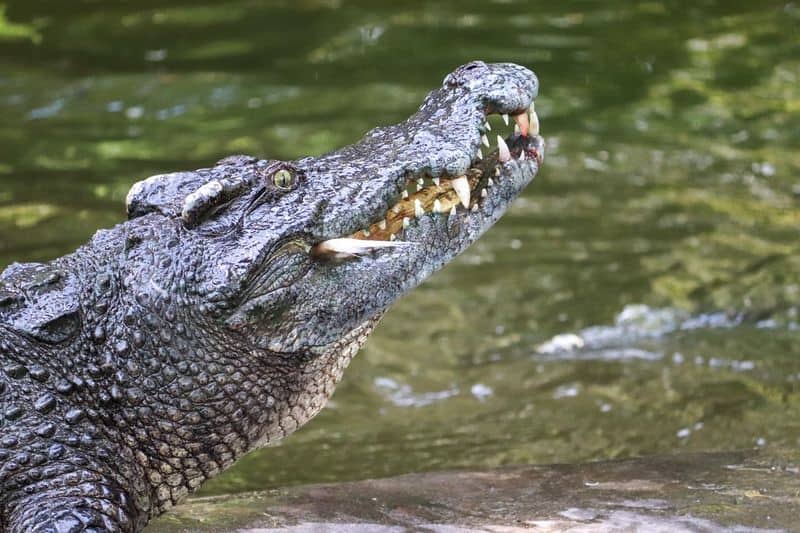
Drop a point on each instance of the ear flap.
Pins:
(209, 197)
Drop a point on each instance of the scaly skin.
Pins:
(216, 319)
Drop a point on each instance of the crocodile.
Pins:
(221, 314)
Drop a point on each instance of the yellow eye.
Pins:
(283, 179)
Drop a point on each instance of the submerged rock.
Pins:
(756, 490)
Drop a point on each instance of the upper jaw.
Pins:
(443, 160)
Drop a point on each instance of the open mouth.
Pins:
(424, 194)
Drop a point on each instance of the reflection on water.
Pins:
(672, 182)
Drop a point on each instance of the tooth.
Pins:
(485, 140)
(419, 187)
(382, 224)
(522, 122)
(490, 183)
(534, 122)
(516, 129)
(505, 118)
(475, 208)
(483, 193)
(437, 206)
(406, 222)
(487, 126)
(436, 181)
(522, 156)
(346, 247)
(497, 171)
(461, 186)
(503, 154)
(392, 237)
(479, 154)
(396, 209)
(418, 210)
(420, 181)
(365, 232)
(453, 211)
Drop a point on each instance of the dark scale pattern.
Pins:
(154, 356)
(105, 431)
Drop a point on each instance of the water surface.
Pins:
(640, 298)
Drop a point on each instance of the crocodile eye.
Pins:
(283, 179)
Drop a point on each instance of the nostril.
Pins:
(464, 73)
(473, 66)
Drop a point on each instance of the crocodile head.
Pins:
(294, 255)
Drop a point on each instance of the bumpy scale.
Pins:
(222, 314)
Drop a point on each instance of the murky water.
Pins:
(642, 297)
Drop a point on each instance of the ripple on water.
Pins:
(635, 323)
(402, 395)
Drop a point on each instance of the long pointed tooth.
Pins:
(437, 206)
(485, 140)
(522, 156)
(436, 181)
(418, 210)
(475, 208)
(461, 186)
(532, 107)
(504, 154)
(404, 195)
(453, 211)
(420, 182)
(345, 247)
(522, 122)
(534, 122)
(479, 153)
(419, 187)
(392, 237)
(483, 193)
(505, 118)
(382, 224)
(406, 222)
(487, 126)
(490, 182)
(497, 171)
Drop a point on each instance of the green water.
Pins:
(672, 181)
